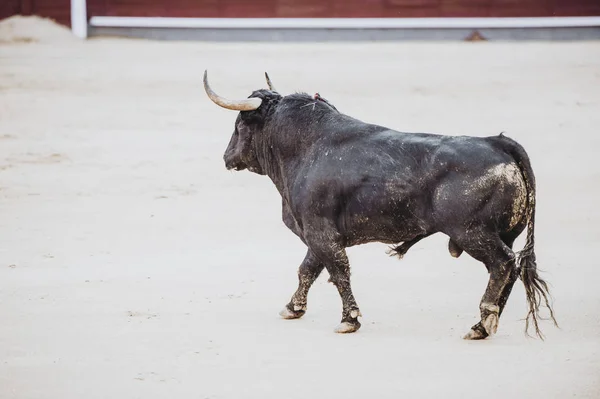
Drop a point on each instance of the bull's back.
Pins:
(390, 186)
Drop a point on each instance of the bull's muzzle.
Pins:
(232, 164)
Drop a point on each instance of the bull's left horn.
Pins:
(249, 104)
(271, 87)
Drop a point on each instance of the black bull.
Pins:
(344, 182)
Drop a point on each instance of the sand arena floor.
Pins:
(133, 265)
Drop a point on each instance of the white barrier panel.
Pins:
(343, 23)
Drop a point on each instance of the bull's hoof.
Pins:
(475, 335)
(491, 323)
(346, 327)
(489, 317)
(289, 314)
(476, 332)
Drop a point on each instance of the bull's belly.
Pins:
(387, 228)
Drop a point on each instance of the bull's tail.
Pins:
(536, 288)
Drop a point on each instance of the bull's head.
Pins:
(241, 153)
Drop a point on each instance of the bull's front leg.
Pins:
(339, 272)
(336, 261)
(308, 272)
(334, 258)
(325, 250)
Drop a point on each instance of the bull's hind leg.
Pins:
(481, 330)
(509, 239)
(307, 274)
(487, 247)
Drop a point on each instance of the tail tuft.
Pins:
(536, 289)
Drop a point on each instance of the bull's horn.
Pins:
(271, 87)
(249, 104)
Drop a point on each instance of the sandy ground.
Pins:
(133, 265)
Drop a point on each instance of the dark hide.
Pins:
(344, 182)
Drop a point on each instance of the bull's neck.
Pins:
(276, 155)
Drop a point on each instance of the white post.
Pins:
(79, 18)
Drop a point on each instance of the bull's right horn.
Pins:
(249, 104)
(271, 87)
